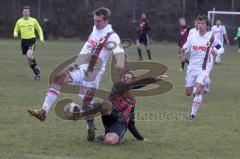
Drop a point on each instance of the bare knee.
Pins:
(189, 92)
(61, 77)
(106, 107)
(199, 89)
(111, 139)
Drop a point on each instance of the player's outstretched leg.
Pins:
(51, 96)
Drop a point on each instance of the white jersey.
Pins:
(200, 48)
(98, 35)
(219, 32)
(192, 31)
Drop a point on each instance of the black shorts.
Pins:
(112, 125)
(143, 39)
(27, 44)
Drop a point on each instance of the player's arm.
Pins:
(132, 128)
(226, 37)
(16, 30)
(39, 30)
(216, 46)
(186, 47)
(148, 28)
(183, 51)
(136, 84)
(120, 58)
(117, 51)
(225, 34)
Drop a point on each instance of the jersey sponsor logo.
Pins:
(92, 42)
(199, 48)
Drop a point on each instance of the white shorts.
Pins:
(220, 51)
(79, 77)
(194, 76)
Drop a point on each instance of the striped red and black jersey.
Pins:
(184, 30)
(143, 27)
(122, 99)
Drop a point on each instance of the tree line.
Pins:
(73, 18)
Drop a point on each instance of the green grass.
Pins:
(214, 134)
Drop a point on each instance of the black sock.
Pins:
(149, 54)
(34, 67)
(139, 54)
(95, 108)
(182, 64)
(187, 61)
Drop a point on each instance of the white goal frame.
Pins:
(211, 14)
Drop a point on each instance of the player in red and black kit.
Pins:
(118, 110)
(142, 37)
(184, 30)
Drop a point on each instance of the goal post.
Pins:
(231, 23)
(211, 14)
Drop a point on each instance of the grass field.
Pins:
(214, 134)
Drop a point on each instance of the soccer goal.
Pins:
(229, 19)
(211, 14)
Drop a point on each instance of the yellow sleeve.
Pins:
(16, 29)
(39, 30)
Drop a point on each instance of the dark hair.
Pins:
(26, 7)
(103, 11)
(197, 18)
(182, 18)
(204, 18)
(127, 72)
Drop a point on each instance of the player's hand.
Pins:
(162, 77)
(15, 36)
(235, 38)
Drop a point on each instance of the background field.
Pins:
(214, 134)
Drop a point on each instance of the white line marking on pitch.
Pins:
(32, 156)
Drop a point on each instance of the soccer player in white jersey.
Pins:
(220, 32)
(88, 68)
(200, 46)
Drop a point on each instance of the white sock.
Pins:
(219, 59)
(208, 83)
(51, 97)
(207, 87)
(216, 59)
(196, 104)
(194, 90)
